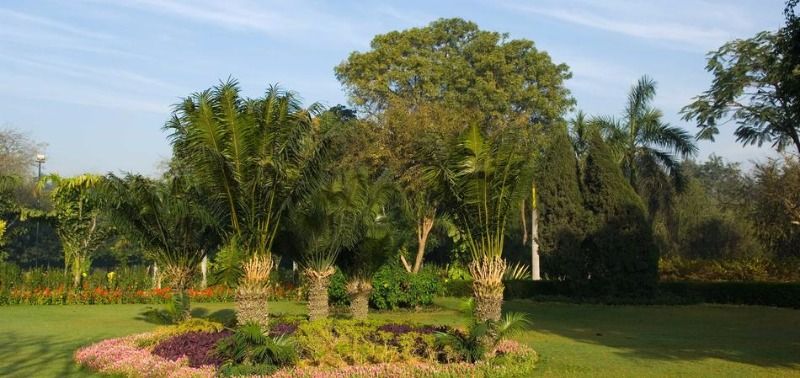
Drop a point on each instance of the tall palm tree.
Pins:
(488, 176)
(169, 220)
(647, 148)
(253, 158)
(579, 132)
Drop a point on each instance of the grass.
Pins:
(572, 340)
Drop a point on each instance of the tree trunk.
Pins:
(156, 276)
(424, 227)
(488, 287)
(252, 305)
(204, 272)
(180, 301)
(318, 283)
(252, 293)
(359, 291)
(535, 267)
(488, 300)
(524, 221)
(76, 273)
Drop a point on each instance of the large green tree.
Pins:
(416, 81)
(561, 210)
(776, 206)
(621, 255)
(756, 85)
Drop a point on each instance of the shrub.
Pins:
(744, 293)
(776, 294)
(250, 345)
(394, 288)
(337, 291)
(198, 347)
(337, 343)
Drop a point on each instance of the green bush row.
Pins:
(392, 287)
(743, 293)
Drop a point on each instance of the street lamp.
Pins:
(40, 159)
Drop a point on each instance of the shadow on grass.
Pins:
(26, 356)
(163, 316)
(757, 336)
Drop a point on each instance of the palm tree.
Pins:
(488, 177)
(375, 239)
(170, 222)
(646, 148)
(332, 219)
(579, 133)
(253, 158)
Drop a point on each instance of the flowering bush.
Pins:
(197, 347)
(101, 295)
(122, 357)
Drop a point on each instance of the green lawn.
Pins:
(590, 340)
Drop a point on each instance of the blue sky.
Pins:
(95, 79)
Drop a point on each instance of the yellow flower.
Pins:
(84, 274)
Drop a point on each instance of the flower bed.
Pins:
(122, 357)
(320, 349)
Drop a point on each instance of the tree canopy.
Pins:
(756, 85)
(452, 61)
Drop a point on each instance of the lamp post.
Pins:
(40, 159)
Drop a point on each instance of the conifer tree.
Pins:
(622, 256)
(562, 215)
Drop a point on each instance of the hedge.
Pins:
(742, 293)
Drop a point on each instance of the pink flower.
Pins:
(122, 357)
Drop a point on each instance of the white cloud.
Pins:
(68, 92)
(668, 22)
(10, 17)
(283, 19)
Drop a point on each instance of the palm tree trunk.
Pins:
(318, 283)
(252, 305)
(359, 291)
(180, 301)
(488, 287)
(252, 294)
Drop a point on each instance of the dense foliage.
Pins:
(563, 216)
(621, 255)
(394, 287)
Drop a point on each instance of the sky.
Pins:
(95, 80)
